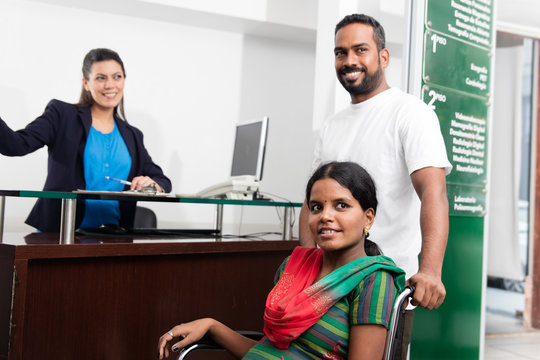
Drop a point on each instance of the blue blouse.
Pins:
(104, 155)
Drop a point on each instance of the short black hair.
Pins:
(378, 30)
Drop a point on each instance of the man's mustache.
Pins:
(347, 69)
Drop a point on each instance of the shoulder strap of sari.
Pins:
(295, 303)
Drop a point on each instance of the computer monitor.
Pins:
(249, 148)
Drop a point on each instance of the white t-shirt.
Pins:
(391, 135)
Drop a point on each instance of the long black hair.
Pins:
(93, 56)
(356, 179)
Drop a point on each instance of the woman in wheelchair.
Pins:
(330, 302)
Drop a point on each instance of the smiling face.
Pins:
(336, 218)
(106, 84)
(359, 64)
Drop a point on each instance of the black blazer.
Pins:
(64, 129)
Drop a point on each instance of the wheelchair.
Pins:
(394, 333)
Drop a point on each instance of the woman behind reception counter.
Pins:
(87, 142)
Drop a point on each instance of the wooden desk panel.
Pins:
(113, 301)
(6, 283)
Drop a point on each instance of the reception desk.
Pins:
(69, 200)
(111, 298)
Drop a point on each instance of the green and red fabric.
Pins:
(312, 321)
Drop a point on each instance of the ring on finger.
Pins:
(170, 333)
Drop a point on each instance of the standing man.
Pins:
(397, 139)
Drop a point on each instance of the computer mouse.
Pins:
(111, 229)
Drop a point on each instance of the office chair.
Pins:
(144, 218)
(395, 332)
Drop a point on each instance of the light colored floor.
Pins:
(524, 346)
(506, 338)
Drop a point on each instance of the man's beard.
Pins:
(366, 86)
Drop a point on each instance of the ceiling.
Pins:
(521, 17)
(518, 16)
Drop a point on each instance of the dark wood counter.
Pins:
(112, 298)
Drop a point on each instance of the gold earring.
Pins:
(366, 231)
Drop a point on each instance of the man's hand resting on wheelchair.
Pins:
(430, 291)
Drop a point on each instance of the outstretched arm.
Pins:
(430, 185)
(40, 132)
(193, 331)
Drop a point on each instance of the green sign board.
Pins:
(469, 20)
(453, 331)
(458, 38)
(463, 121)
(466, 200)
(455, 64)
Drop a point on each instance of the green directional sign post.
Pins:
(467, 20)
(466, 200)
(469, 65)
(463, 120)
(456, 83)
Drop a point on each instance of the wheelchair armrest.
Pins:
(206, 343)
(394, 334)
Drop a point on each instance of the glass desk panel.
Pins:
(67, 225)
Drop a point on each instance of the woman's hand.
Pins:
(191, 332)
(139, 182)
(188, 333)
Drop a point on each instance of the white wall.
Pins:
(186, 88)
(193, 72)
